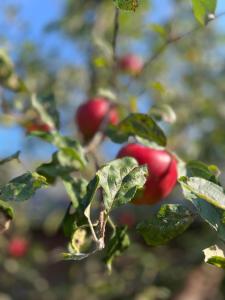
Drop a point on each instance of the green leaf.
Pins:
(6, 215)
(119, 181)
(205, 189)
(6, 65)
(164, 113)
(8, 77)
(15, 84)
(203, 9)
(72, 221)
(51, 170)
(157, 28)
(170, 221)
(148, 143)
(76, 188)
(137, 125)
(11, 157)
(157, 86)
(46, 108)
(22, 187)
(48, 103)
(127, 4)
(215, 255)
(108, 94)
(7, 209)
(80, 241)
(71, 154)
(197, 168)
(214, 216)
(18, 87)
(77, 256)
(117, 244)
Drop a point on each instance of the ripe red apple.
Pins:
(18, 247)
(38, 127)
(162, 167)
(131, 63)
(91, 114)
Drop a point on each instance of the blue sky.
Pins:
(38, 14)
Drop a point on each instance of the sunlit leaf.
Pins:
(213, 215)
(22, 187)
(215, 255)
(197, 168)
(6, 65)
(127, 4)
(137, 125)
(159, 29)
(205, 189)
(6, 216)
(71, 154)
(157, 86)
(76, 188)
(119, 181)
(77, 256)
(203, 9)
(163, 113)
(78, 239)
(45, 107)
(8, 78)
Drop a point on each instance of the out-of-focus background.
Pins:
(61, 45)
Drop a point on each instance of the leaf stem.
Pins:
(111, 223)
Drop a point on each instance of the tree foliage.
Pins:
(181, 113)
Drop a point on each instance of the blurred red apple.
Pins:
(38, 127)
(18, 247)
(131, 63)
(126, 218)
(162, 167)
(91, 114)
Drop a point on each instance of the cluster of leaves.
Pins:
(203, 10)
(116, 183)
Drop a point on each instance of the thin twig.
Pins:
(115, 33)
(163, 47)
(95, 142)
(172, 40)
(177, 38)
(113, 76)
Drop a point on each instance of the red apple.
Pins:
(131, 63)
(162, 167)
(18, 247)
(91, 114)
(38, 127)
